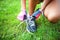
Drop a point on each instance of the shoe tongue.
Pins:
(27, 16)
(30, 17)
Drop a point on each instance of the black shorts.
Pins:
(41, 0)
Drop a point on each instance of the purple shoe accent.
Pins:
(22, 15)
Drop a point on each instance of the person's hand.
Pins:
(41, 10)
(21, 15)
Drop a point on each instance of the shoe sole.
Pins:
(29, 31)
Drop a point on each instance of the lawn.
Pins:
(11, 30)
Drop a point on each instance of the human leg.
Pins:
(51, 12)
(31, 25)
(23, 10)
(23, 4)
(32, 5)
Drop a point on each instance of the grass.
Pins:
(9, 29)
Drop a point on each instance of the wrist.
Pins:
(40, 10)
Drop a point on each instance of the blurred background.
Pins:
(11, 30)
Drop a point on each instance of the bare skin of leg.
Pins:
(51, 12)
(45, 3)
(23, 4)
(32, 5)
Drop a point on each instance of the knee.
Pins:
(52, 18)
